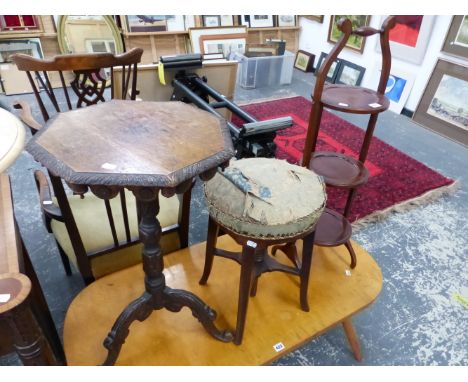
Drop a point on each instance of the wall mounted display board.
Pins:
(409, 37)
(355, 43)
(304, 61)
(443, 106)
(349, 73)
(456, 42)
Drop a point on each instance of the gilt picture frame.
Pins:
(355, 42)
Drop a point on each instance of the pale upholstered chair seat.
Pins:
(266, 198)
(93, 225)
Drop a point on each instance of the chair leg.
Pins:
(248, 254)
(305, 270)
(352, 338)
(352, 254)
(258, 260)
(65, 259)
(213, 229)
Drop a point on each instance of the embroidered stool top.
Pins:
(266, 198)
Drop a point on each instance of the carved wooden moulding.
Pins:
(134, 144)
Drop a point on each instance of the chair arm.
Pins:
(26, 115)
(49, 208)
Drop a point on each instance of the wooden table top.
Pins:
(129, 143)
(12, 135)
(274, 315)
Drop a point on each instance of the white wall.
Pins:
(313, 38)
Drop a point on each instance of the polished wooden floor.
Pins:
(274, 315)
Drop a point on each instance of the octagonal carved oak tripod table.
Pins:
(147, 147)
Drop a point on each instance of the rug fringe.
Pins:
(406, 205)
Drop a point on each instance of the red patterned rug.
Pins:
(395, 178)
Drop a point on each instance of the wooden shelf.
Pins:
(10, 35)
(273, 28)
(162, 33)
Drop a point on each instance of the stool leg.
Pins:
(259, 257)
(248, 254)
(352, 338)
(305, 269)
(213, 229)
(352, 254)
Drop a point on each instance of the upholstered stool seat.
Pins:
(261, 202)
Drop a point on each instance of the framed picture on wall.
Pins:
(349, 73)
(409, 37)
(304, 61)
(456, 42)
(355, 43)
(318, 18)
(196, 33)
(227, 20)
(211, 20)
(333, 71)
(261, 21)
(227, 44)
(286, 20)
(399, 85)
(443, 107)
(146, 23)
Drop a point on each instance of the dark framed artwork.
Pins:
(456, 42)
(261, 21)
(146, 23)
(355, 43)
(318, 18)
(331, 75)
(304, 61)
(348, 73)
(443, 106)
(211, 20)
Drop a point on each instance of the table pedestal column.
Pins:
(157, 295)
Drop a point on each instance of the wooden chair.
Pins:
(100, 236)
(340, 170)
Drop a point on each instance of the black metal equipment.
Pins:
(254, 138)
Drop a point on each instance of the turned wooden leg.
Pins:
(29, 342)
(213, 230)
(248, 254)
(305, 270)
(352, 338)
(352, 254)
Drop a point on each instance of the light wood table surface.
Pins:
(274, 315)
